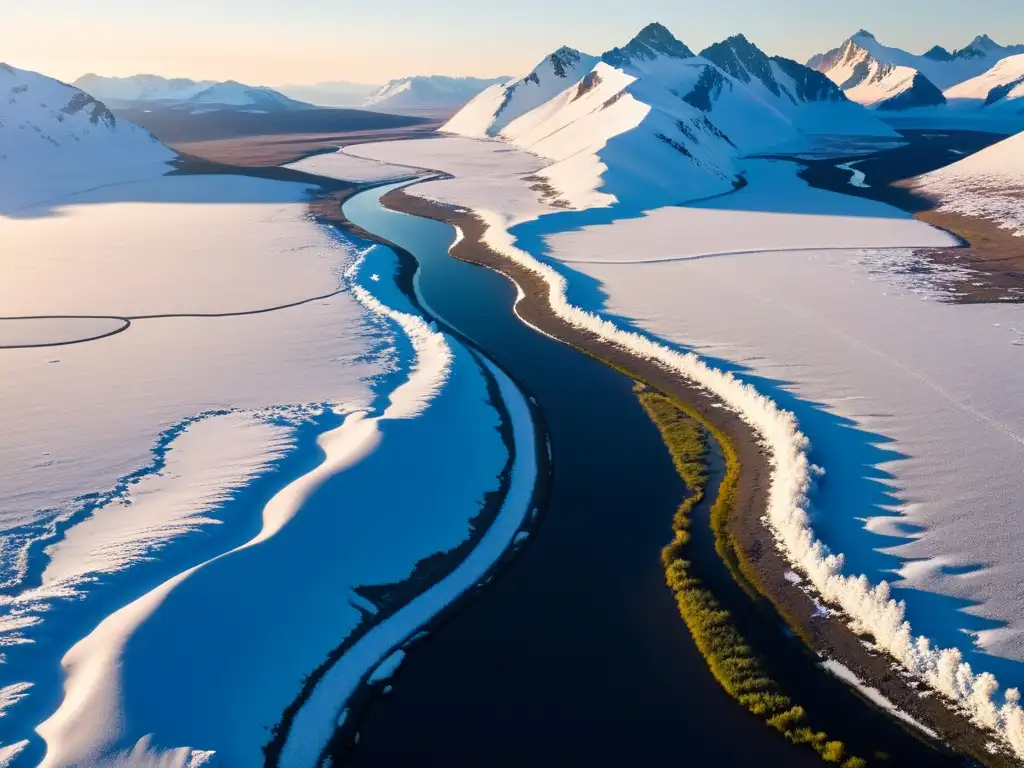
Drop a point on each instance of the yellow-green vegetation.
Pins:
(732, 660)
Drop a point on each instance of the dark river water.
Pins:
(576, 654)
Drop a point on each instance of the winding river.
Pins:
(576, 650)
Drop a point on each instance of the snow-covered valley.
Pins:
(800, 294)
(244, 461)
(212, 481)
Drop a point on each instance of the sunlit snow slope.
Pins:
(988, 185)
(55, 138)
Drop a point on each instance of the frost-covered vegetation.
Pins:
(729, 655)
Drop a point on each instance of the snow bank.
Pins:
(315, 722)
(286, 595)
(119, 455)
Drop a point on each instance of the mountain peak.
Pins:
(743, 60)
(564, 59)
(938, 53)
(863, 33)
(654, 32)
(984, 43)
(652, 41)
(740, 42)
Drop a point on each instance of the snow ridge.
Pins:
(871, 609)
(497, 106)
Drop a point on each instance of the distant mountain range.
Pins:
(184, 94)
(433, 93)
(650, 121)
(409, 95)
(653, 122)
(334, 93)
(981, 75)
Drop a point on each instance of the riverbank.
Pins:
(827, 635)
(523, 671)
(992, 258)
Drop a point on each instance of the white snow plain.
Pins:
(877, 377)
(209, 486)
(348, 167)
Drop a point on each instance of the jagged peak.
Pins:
(650, 42)
(863, 33)
(566, 50)
(737, 48)
(740, 42)
(984, 42)
(938, 53)
(564, 59)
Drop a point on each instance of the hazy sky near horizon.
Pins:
(270, 42)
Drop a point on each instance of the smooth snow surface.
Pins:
(776, 211)
(489, 174)
(43, 331)
(348, 167)
(208, 486)
(987, 185)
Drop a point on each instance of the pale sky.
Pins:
(273, 42)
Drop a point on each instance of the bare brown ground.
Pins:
(277, 149)
(992, 252)
(828, 636)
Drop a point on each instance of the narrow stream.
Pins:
(577, 651)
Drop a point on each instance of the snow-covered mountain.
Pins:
(892, 78)
(615, 137)
(805, 97)
(115, 90)
(999, 90)
(336, 93)
(611, 127)
(656, 57)
(234, 95)
(425, 93)
(988, 184)
(490, 111)
(153, 91)
(869, 74)
(54, 138)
